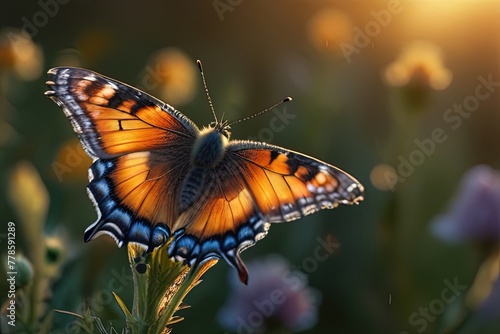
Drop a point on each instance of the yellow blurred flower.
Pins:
(419, 65)
(384, 177)
(172, 75)
(29, 197)
(20, 54)
(6, 53)
(56, 253)
(328, 28)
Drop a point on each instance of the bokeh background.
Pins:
(373, 82)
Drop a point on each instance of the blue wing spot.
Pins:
(139, 232)
(99, 168)
(100, 189)
(182, 246)
(179, 232)
(245, 233)
(228, 243)
(209, 248)
(195, 253)
(120, 217)
(159, 236)
(107, 206)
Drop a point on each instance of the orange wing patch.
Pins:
(103, 98)
(148, 191)
(112, 118)
(288, 186)
(218, 211)
(125, 125)
(122, 132)
(262, 189)
(271, 160)
(219, 216)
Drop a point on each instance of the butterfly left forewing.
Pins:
(140, 147)
(112, 118)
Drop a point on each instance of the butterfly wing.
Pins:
(112, 118)
(140, 147)
(257, 184)
(141, 150)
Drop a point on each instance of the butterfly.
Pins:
(157, 177)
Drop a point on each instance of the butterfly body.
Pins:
(157, 177)
(209, 148)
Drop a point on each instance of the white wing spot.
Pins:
(352, 187)
(112, 85)
(90, 77)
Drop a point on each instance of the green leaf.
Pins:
(123, 307)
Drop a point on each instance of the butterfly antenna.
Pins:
(206, 90)
(287, 99)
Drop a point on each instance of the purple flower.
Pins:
(276, 296)
(475, 212)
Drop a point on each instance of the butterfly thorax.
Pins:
(209, 148)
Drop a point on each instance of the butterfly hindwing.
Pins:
(136, 196)
(257, 184)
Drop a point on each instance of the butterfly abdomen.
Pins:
(192, 187)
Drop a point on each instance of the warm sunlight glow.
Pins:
(328, 28)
